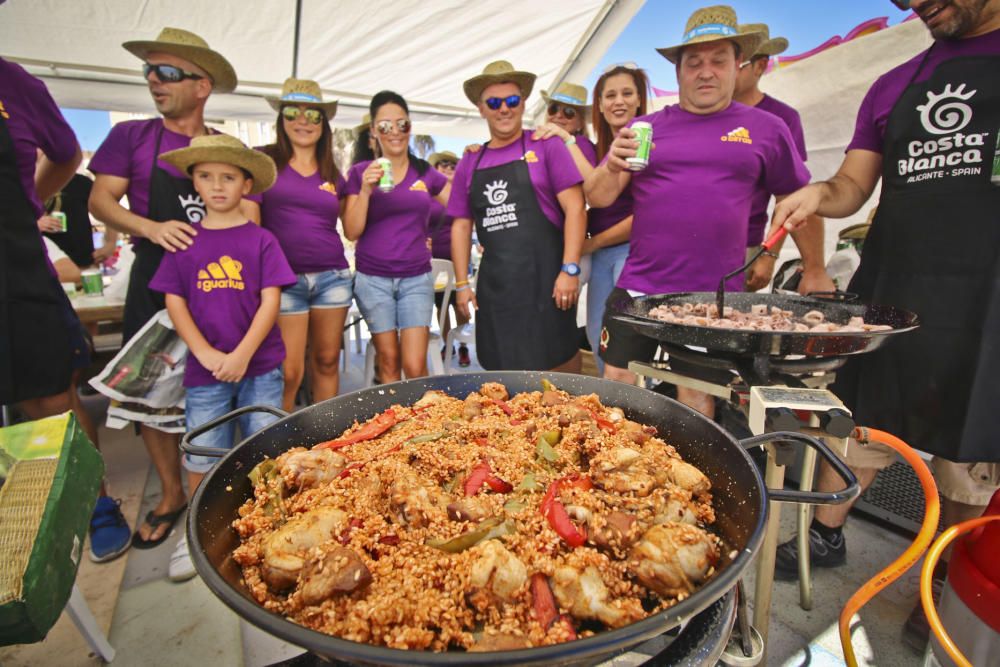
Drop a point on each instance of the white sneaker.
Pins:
(181, 568)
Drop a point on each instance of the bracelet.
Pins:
(463, 287)
(570, 141)
(461, 283)
(771, 254)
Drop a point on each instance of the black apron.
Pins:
(518, 326)
(933, 249)
(35, 354)
(170, 198)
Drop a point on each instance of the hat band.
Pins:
(709, 29)
(567, 99)
(300, 97)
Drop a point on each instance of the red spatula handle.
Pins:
(774, 238)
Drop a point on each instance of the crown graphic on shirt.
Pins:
(329, 187)
(530, 157)
(419, 186)
(740, 135)
(3, 111)
(224, 274)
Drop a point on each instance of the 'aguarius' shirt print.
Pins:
(394, 243)
(221, 277)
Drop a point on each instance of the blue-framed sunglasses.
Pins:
(168, 73)
(512, 102)
(902, 4)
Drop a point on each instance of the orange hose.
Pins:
(912, 554)
(926, 584)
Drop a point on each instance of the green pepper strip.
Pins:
(548, 386)
(426, 437)
(487, 530)
(544, 450)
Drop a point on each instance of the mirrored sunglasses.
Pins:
(512, 102)
(628, 65)
(385, 126)
(291, 114)
(567, 111)
(446, 164)
(168, 73)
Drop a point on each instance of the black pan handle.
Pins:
(849, 492)
(190, 448)
(836, 296)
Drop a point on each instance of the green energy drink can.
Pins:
(644, 135)
(61, 217)
(385, 184)
(995, 176)
(93, 282)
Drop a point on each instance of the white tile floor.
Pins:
(156, 622)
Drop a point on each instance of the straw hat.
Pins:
(227, 150)
(711, 24)
(302, 91)
(498, 71)
(192, 48)
(365, 123)
(570, 94)
(769, 47)
(856, 232)
(435, 158)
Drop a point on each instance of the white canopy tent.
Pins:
(423, 49)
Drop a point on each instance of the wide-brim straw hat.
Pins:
(770, 46)
(302, 91)
(856, 232)
(712, 24)
(192, 48)
(435, 158)
(366, 123)
(498, 71)
(570, 94)
(227, 150)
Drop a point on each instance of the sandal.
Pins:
(154, 520)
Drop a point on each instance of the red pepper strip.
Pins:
(542, 600)
(561, 523)
(498, 485)
(581, 482)
(369, 431)
(353, 525)
(346, 472)
(391, 540)
(550, 497)
(603, 423)
(482, 442)
(476, 478)
(568, 623)
(503, 406)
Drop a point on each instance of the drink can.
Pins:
(61, 217)
(995, 176)
(644, 135)
(385, 184)
(93, 282)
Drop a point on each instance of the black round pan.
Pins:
(740, 500)
(634, 311)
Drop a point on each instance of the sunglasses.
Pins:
(512, 102)
(385, 126)
(291, 114)
(168, 73)
(628, 65)
(446, 165)
(902, 4)
(568, 112)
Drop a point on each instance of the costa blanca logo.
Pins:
(496, 192)
(943, 113)
(193, 206)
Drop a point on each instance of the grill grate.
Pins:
(896, 497)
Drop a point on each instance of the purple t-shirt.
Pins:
(33, 121)
(692, 202)
(221, 277)
(758, 209)
(588, 149)
(869, 130)
(394, 243)
(127, 152)
(440, 231)
(550, 167)
(600, 219)
(301, 212)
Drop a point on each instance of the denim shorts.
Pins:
(388, 304)
(208, 402)
(325, 289)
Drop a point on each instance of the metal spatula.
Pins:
(720, 294)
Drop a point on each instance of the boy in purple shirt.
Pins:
(223, 294)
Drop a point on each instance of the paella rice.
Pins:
(489, 523)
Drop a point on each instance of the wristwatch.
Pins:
(571, 269)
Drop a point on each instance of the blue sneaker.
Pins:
(110, 535)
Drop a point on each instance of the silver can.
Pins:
(644, 135)
(385, 184)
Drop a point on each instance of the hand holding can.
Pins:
(386, 183)
(643, 132)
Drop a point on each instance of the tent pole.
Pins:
(295, 42)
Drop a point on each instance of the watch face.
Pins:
(571, 269)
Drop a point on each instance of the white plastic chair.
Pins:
(465, 334)
(443, 275)
(353, 322)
